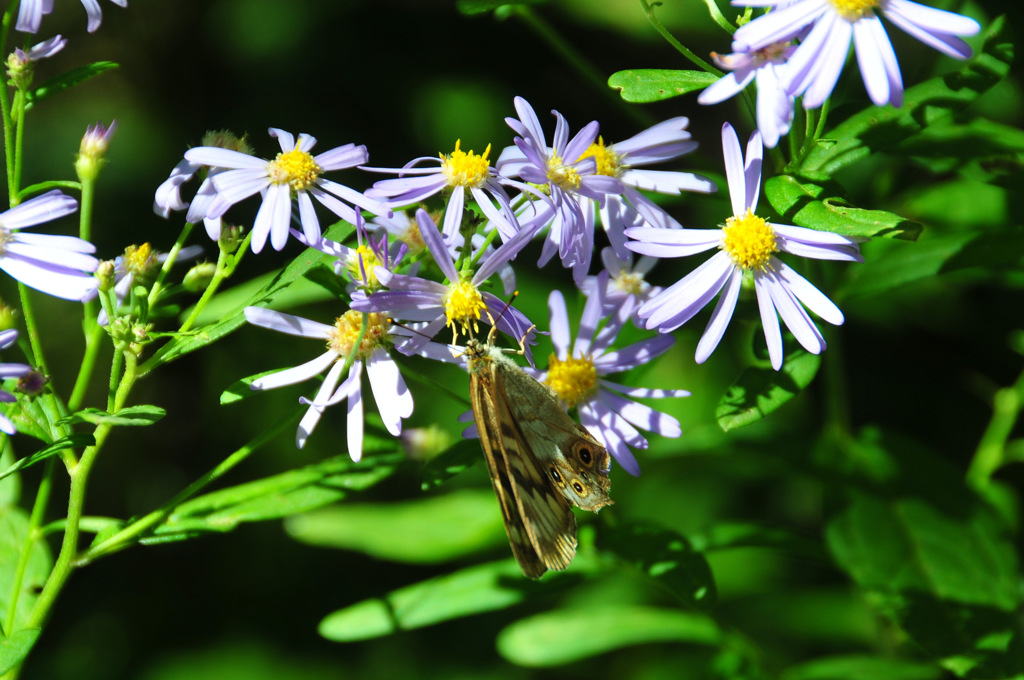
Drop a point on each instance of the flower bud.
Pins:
(106, 272)
(199, 276)
(92, 149)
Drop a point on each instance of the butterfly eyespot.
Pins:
(579, 488)
(584, 454)
(556, 475)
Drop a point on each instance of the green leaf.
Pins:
(241, 389)
(66, 81)
(759, 391)
(77, 440)
(132, 416)
(454, 461)
(417, 531)
(900, 264)
(644, 85)
(820, 205)
(470, 7)
(861, 668)
(474, 590)
(566, 635)
(14, 528)
(288, 493)
(666, 557)
(14, 648)
(324, 276)
(880, 128)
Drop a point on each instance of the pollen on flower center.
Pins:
(346, 331)
(573, 379)
(138, 259)
(607, 160)
(5, 238)
(749, 241)
(463, 304)
(465, 169)
(630, 282)
(295, 168)
(562, 175)
(852, 10)
(369, 260)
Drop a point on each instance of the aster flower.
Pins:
(7, 339)
(138, 263)
(566, 175)
(815, 65)
(766, 67)
(747, 245)
(625, 160)
(20, 63)
(359, 264)
(394, 401)
(604, 407)
(168, 198)
(61, 266)
(30, 13)
(457, 304)
(293, 171)
(459, 172)
(624, 284)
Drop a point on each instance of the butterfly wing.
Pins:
(493, 442)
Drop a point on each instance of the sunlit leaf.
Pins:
(426, 530)
(474, 590)
(666, 557)
(131, 416)
(566, 635)
(880, 128)
(760, 391)
(808, 204)
(450, 463)
(14, 528)
(899, 264)
(861, 668)
(240, 389)
(14, 648)
(645, 85)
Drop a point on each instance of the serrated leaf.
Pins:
(14, 648)
(66, 81)
(417, 531)
(666, 557)
(567, 635)
(644, 85)
(879, 128)
(77, 440)
(131, 416)
(454, 461)
(474, 590)
(14, 528)
(470, 7)
(808, 204)
(759, 391)
(861, 668)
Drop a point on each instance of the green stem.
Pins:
(988, 457)
(563, 49)
(5, 112)
(93, 343)
(158, 285)
(19, 143)
(718, 17)
(76, 503)
(130, 534)
(226, 265)
(670, 39)
(85, 209)
(38, 358)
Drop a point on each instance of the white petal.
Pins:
(296, 374)
(720, 317)
(286, 323)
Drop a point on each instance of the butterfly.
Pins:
(541, 461)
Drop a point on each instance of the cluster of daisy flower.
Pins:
(430, 271)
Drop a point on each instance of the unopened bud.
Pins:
(199, 276)
(92, 149)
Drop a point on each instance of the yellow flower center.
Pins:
(346, 331)
(369, 259)
(573, 380)
(463, 305)
(630, 282)
(138, 259)
(465, 169)
(852, 10)
(295, 168)
(562, 175)
(750, 241)
(607, 160)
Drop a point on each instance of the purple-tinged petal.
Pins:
(720, 318)
(286, 323)
(809, 295)
(769, 321)
(734, 170)
(558, 323)
(296, 374)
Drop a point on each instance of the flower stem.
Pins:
(225, 267)
(5, 112)
(158, 285)
(31, 536)
(988, 457)
(670, 39)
